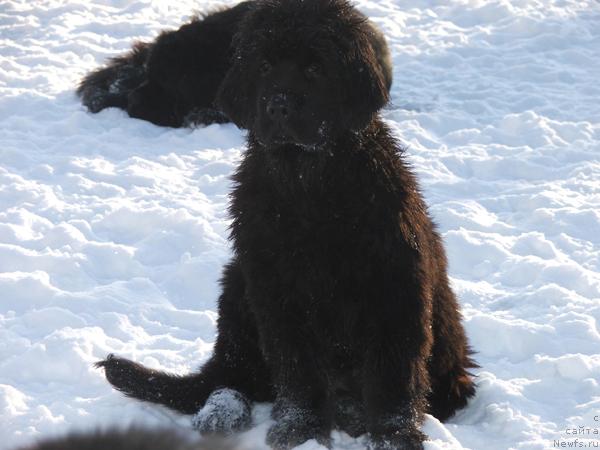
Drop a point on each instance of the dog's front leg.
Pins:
(395, 373)
(301, 410)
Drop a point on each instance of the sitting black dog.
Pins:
(336, 304)
(173, 80)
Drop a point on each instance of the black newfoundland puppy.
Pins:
(336, 304)
(173, 80)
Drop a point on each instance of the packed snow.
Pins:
(113, 231)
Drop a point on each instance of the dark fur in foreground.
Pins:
(173, 80)
(336, 304)
(130, 439)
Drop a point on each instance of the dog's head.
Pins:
(303, 72)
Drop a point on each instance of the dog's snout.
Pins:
(280, 107)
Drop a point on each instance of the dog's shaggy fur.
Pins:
(129, 439)
(172, 81)
(336, 304)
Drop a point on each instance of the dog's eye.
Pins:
(313, 70)
(265, 67)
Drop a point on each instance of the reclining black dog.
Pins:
(173, 80)
(336, 304)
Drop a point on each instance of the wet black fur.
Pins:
(128, 439)
(172, 81)
(336, 304)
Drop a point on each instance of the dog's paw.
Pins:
(225, 412)
(295, 426)
(399, 440)
(350, 416)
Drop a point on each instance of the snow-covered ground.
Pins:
(113, 230)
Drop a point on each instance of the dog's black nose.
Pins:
(279, 107)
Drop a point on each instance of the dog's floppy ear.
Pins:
(233, 96)
(365, 85)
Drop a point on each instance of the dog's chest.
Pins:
(310, 236)
(309, 221)
(306, 211)
(306, 237)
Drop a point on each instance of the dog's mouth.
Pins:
(280, 138)
(285, 142)
(283, 138)
(282, 135)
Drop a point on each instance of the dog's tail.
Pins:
(110, 86)
(186, 394)
(237, 361)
